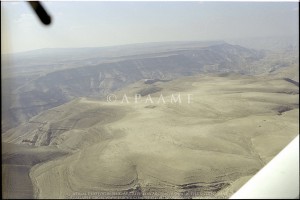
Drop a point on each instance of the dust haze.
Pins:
(179, 119)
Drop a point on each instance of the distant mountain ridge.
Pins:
(67, 54)
(45, 84)
(279, 43)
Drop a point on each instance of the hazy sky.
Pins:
(94, 24)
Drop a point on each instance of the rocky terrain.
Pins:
(187, 120)
(206, 148)
(38, 87)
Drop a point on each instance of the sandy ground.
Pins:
(203, 148)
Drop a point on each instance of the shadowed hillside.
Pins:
(40, 91)
(206, 148)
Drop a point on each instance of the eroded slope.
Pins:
(207, 147)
